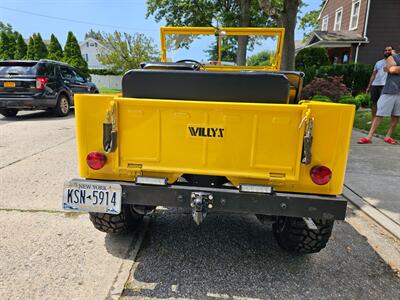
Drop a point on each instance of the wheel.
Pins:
(126, 221)
(292, 234)
(62, 106)
(9, 112)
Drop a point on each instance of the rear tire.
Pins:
(125, 222)
(9, 112)
(62, 106)
(292, 234)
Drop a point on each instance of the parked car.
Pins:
(43, 84)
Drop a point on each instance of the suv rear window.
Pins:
(18, 68)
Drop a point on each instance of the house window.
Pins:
(86, 57)
(355, 13)
(338, 19)
(95, 44)
(87, 44)
(325, 22)
(91, 44)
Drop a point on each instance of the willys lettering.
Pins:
(207, 132)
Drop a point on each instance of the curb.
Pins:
(128, 263)
(384, 221)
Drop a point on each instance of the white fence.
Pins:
(107, 81)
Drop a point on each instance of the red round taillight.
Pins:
(320, 175)
(96, 160)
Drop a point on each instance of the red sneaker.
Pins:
(390, 141)
(364, 141)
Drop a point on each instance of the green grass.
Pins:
(109, 91)
(363, 118)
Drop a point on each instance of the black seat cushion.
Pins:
(257, 87)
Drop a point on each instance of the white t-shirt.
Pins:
(380, 78)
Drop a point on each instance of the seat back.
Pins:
(253, 87)
(296, 84)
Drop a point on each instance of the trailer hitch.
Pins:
(200, 203)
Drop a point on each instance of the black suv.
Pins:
(43, 84)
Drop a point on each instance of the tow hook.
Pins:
(200, 203)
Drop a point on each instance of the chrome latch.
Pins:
(308, 138)
(110, 130)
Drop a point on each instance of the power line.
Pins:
(74, 21)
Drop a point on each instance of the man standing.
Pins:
(389, 102)
(378, 80)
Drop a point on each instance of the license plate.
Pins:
(80, 195)
(9, 84)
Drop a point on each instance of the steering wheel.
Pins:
(199, 64)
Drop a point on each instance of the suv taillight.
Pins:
(41, 82)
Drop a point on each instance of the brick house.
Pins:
(357, 30)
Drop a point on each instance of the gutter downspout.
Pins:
(356, 57)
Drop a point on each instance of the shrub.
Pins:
(104, 72)
(308, 60)
(364, 99)
(331, 87)
(321, 98)
(355, 76)
(309, 57)
(349, 100)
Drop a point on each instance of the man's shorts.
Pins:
(389, 105)
(376, 91)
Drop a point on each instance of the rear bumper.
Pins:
(26, 103)
(232, 200)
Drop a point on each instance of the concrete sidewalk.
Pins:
(373, 180)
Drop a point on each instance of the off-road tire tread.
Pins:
(125, 222)
(297, 237)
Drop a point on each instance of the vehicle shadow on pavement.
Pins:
(235, 257)
(36, 115)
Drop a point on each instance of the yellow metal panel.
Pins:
(262, 143)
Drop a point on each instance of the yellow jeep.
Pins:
(213, 136)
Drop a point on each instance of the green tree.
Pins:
(94, 35)
(30, 52)
(55, 49)
(262, 58)
(7, 28)
(11, 41)
(40, 47)
(284, 13)
(308, 57)
(309, 22)
(73, 55)
(125, 51)
(214, 13)
(228, 50)
(20, 48)
(6, 46)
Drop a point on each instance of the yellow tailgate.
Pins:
(246, 142)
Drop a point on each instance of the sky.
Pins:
(79, 16)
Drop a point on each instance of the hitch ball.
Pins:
(200, 202)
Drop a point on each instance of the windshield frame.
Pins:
(228, 31)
